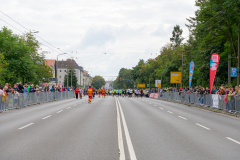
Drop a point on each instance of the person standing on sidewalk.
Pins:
(80, 93)
(90, 94)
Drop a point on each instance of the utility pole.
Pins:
(67, 77)
(149, 83)
(238, 65)
(182, 73)
(229, 68)
(71, 72)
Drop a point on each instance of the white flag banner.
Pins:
(215, 100)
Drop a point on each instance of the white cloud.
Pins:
(127, 30)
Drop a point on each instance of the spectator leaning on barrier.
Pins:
(29, 86)
(15, 97)
(52, 89)
(32, 89)
(20, 87)
(207, 91)
(37, 89)
(15, 88)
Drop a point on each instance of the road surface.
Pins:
(115, 128)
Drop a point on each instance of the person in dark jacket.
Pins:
(32, 89)
(20, 87)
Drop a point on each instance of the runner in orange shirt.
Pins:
(103, 93)
(99, 92)
(90, 94)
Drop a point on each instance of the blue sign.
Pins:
(147, 85)
(191, 70)
(233, 71)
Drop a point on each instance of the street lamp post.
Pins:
(182, 73)
(57, 67)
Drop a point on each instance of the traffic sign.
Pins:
(175, 77)
(233, 71)
(141, 85)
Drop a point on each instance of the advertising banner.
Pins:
(214, 61)
(191, 70)
(175, 77)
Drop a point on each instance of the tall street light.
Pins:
(238, 61)
(57, 68)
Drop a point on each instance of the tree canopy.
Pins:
(20, 58)
(70, 79)
(213, 29)
(98, 82)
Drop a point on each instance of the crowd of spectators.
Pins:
(28, 87)
(223, 90)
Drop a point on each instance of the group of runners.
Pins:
(115, 92)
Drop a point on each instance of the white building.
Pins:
(62, 68)
(108, 85)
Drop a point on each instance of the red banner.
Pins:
(214, 61)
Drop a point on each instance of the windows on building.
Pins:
(60, 71)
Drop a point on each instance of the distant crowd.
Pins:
(28, 87)
(222, 90)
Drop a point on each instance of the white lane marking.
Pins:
(26, 126)
(203, 126)
(128, 139)
(170, 112)
(68, 108)
(150, 103)
(182, 117)
(233, 140)
(60, 111)
(155, 105)
(74, 104)
(120, 136)
(161, 108)
(47, 117)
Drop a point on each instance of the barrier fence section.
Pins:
(17, 101)
(223, 102)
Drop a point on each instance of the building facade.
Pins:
(52, 64)
(108, 85)
(62, 68)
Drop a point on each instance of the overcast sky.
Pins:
(126, 30)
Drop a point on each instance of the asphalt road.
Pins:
(115, 128)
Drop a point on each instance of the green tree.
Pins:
(98, 82)
(17, 55)
(124, 79)
(21, 55)
(3, 66)
(177, 36)
(71, 74)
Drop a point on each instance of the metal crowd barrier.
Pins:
(17, 101)
(223, 102)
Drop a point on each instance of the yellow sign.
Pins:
(159, 85)
(141, 85)
(175, 77)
